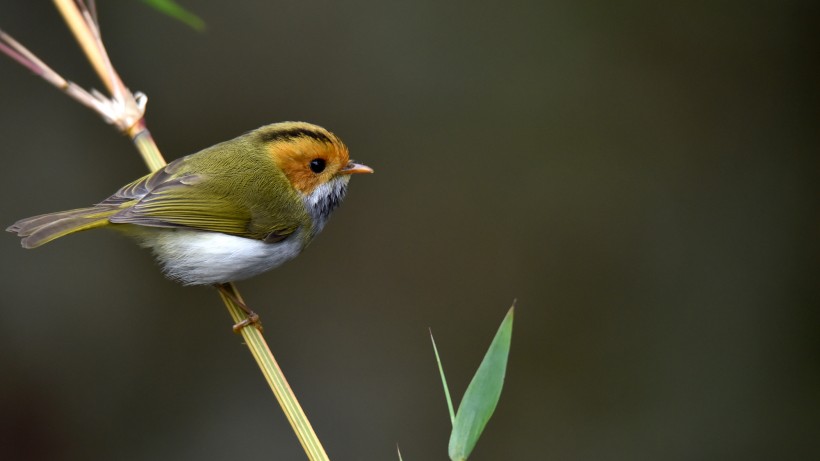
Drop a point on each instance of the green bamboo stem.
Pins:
(276, 380)
(146, 146)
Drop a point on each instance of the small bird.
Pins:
(225, 213)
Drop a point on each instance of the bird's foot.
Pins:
(253, 317)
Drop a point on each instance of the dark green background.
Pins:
(640, 175)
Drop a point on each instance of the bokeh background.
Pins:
(641, 176)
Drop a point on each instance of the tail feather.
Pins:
(39, 230)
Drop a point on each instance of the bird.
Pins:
(226, 213)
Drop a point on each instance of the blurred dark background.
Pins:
(641, 176)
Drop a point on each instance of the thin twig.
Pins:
(22, 55)
(92, 9)
(85, 36)
(124, 113)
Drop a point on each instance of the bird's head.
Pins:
(314, 160)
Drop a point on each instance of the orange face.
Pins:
(309, 155)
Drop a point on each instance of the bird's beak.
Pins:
(355, 168)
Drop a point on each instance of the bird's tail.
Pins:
(42, 229)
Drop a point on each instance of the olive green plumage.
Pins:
(184, 194)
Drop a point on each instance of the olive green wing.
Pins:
(168, 198)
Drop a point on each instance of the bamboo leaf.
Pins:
(443, 381)
(482, 394)
(174, 10)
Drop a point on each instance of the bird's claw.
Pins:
(252, 319)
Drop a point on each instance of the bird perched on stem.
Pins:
(225, 213)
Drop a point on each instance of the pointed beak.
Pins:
(355, 168)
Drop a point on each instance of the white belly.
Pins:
(199, 258)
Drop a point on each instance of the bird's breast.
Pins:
(198, 258)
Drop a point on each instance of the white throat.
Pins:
(324, 199)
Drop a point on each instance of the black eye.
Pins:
(317, 165)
